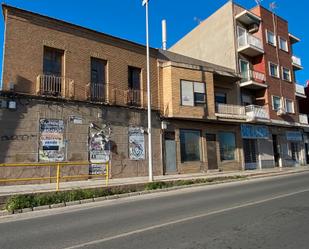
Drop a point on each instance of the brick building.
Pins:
(256, 44)
(74, 94)
(87, 86)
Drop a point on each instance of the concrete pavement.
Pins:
(47, 187)
(266, 213)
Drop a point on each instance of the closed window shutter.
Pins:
(187, 93)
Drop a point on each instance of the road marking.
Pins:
(94, 242)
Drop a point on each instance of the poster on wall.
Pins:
(52, 147)
(136, 143)
(98, 150)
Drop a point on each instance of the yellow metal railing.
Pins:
(58, 177)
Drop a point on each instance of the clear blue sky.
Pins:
(126, 18)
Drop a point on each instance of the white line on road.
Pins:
(94, 242)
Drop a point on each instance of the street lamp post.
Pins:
(150, 173)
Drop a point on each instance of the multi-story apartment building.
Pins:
(256, 44)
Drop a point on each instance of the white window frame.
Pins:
(286, 106)
(248, 67)
(286, 42)
(194, 102)
(272, 100)
(282, 74)
(278, 73)
(275, 40)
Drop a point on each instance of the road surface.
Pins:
(263, 213)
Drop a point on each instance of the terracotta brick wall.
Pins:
(288, 88)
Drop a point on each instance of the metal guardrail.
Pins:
(58, 176)
(56, 86)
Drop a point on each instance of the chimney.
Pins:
(164, 34)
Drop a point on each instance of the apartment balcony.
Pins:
(250, 45)
(253, 80)
(300, 91)
(248, 18)
(256, 113)
(130, 97)
(230, 111)
(296, 63)
(96, 92)
(54, 86)
(303, 119)
(249, 113)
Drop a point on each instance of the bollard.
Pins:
(58, 177)
(106, 175)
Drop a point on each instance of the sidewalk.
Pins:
(47, 187)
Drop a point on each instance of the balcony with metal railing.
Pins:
(250, 45)
(96, 92)
(54, 86)
(253, 80)
(296, 62)
(303, 118)
(256, 113)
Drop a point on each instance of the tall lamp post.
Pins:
(150, 173)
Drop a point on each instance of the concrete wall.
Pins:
(212, 40)
(19, 136)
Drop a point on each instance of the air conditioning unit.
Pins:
(281, 111)
(11, 86)
(253, 28)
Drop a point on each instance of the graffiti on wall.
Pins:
(99, 149)
(22, 137)
(52, 147)
(136, 143)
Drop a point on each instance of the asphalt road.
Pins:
(262, 213)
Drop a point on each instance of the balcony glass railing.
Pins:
(303, 118)
(246, 39)
(296, 60)
(300, 89)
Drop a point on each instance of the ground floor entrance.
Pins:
(170, 152)
(250, 153)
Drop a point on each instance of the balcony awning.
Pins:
(248, 18)
(251, 84)
(293, 38)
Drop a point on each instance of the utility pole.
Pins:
(150, 173)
